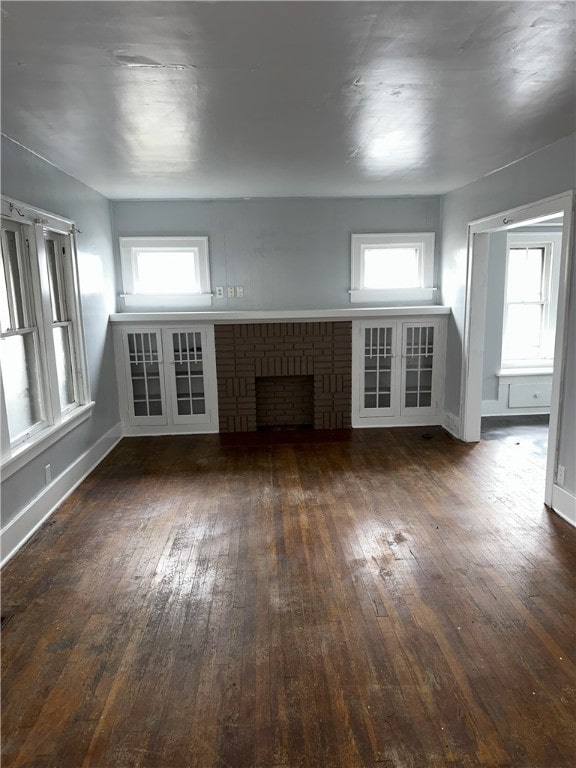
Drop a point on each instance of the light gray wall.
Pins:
(548, 172)
(287, 253)
(28, 178)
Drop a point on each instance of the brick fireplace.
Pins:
(300, 371)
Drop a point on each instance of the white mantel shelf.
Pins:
(275, 316)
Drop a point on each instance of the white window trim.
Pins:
(129, 247)
(551, 244)
(424, 241)
(55, 423)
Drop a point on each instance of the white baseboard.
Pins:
(451, 424)
(19, 530)
(388, 422)
(173, 429)
(564, 504)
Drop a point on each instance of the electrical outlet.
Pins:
(560, 474)
(48, 473)
(239, 291)
(220, 292)
(230, 291)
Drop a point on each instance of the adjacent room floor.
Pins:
(529, 435)
(366, 599)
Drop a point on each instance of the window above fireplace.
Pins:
(392, 267)
(170, 272)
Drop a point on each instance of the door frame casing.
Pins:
(475, 317)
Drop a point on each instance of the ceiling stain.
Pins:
(143, 62)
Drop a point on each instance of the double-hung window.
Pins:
(44, 386)
(529, 311)
(160, 272)
(19, 338)
(58, 260)
(392, 267)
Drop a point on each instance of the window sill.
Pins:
(391, 295)
(25, 452)
(158, 301)
(545, 370)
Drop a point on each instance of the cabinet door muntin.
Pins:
(378, 370)
(143, 355)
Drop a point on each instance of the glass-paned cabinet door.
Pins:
(186, 374)
(418, 348)
(378, 370)
(145, 373)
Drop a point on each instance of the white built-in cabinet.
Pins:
(398, 371)
(167, 379)
(166, 367)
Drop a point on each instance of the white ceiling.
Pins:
(240, 99)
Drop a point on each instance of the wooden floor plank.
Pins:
(373, 600)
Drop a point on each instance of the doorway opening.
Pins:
(520, 374)
(518, 361)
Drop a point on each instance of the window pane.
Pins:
(4, 306)
(64, 366)
(20, 379)
(523, 331)
(524, 281)
(391, 267)
(166, 271)
(12, 289)
(56, 293)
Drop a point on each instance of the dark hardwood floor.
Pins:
(366, 599)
